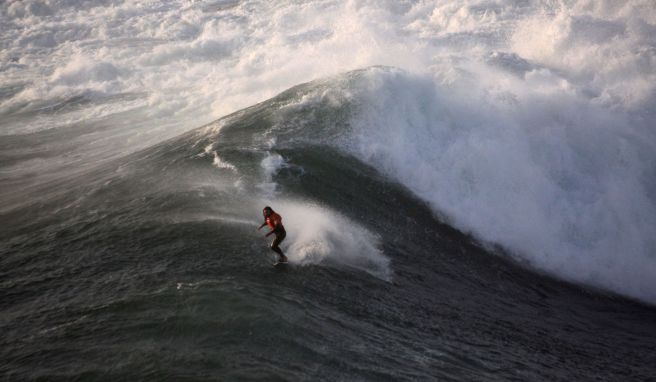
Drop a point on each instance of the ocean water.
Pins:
(468, 190)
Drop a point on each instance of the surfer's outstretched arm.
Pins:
(262, 225)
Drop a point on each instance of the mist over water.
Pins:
(407, 145)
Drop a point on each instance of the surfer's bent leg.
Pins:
(275, 248)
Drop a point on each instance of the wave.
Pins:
(417, 145)
(557, 182)
(537, 141)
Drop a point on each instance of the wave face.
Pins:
(528, 125)
(144, 265)
(559, 184)
(441, 168)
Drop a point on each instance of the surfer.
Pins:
(274, 221)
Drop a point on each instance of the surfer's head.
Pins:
(267, 211)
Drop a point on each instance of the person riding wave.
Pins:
(274, 221)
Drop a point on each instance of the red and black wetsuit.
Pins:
(274, 221)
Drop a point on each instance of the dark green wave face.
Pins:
(151, 267)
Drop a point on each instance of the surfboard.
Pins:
(280, 263)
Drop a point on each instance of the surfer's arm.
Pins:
(262, 225)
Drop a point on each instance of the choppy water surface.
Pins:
(473, 202)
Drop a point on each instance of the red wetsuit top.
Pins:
(274, 220)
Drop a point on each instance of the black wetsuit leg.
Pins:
(280, 236)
